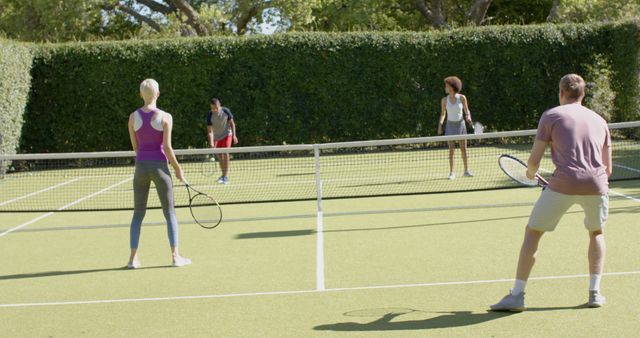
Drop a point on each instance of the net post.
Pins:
(320, 285)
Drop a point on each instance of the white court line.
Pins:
(40, 191)
(627, 168)
(64, 207)
(296, 292)
(623, 195)
(356, 179)
(611, 191)
(320, 252)
(303, 216)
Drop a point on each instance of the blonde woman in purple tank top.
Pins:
(150, 133)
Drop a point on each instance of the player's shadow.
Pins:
(446, 320)
(72, 272)
(556, 308)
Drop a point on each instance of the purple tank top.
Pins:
(150, 141)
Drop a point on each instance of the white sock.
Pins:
(594, 282)
(518, 287)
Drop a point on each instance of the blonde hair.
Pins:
(149, 89)
(573, 86)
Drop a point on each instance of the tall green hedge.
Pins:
(304, 88)
(15, 79)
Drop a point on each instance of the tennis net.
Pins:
(104, 180)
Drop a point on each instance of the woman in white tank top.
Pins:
(455, 110)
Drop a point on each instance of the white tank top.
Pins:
(454, 110)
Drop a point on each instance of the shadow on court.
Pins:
(74, 272)
(307, 232)
(388, 322)
(271, 234)
(557, 308)
(268, 234)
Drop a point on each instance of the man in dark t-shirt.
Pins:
(221, 132)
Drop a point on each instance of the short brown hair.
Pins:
(573, 86)
(454, 82)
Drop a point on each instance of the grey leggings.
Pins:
(158, 172)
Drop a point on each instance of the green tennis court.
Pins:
(390, 266)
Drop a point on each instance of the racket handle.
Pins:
(542, 181)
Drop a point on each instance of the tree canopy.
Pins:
(68, 20)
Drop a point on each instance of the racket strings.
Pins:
(478, 128)
(205, 211)
(516, 170)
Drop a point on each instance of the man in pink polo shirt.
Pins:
(581, 151)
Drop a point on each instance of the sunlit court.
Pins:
(319, 168)
(350, 238)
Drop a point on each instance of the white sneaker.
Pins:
(468, 174)
(452, 176)
(596, 299)
(221, 179)
(510, 302)
(181, 261)
(134, 265)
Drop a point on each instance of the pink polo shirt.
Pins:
(577, 136)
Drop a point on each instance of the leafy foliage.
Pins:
(589, 11)
(319, 87)
(51, 20)
(15, 64)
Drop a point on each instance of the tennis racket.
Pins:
(205, 210)
(208, 167)
(477, 127)
(517, 171)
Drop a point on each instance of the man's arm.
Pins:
(232, 123)
(606, 158)
(210, 137)
(533, 164)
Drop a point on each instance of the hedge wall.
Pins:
(306, 88)
(15, 64)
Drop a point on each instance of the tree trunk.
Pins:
(158, 7)
(128, 10)
(478, 11)
(553, 13)
(245, 18)
(192, 16)
(432, 13)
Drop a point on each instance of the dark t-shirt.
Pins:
(220, 123)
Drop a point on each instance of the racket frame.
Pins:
(541, 182)
(200, 193)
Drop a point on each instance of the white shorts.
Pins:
(551, 206)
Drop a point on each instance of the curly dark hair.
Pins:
(454, 82)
